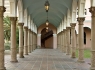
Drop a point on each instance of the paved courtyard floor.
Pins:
(46, 59)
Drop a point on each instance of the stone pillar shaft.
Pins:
(29, 42)
(13, 39)
(92, 10)
(54, 41)
(60, 41)
(65, 39)
(77, 45)
(68, 40)
(21, 46)
(73, 41)
(2, 67)
(61, 47)
(25, 40)
(81, 39)
(33, 41)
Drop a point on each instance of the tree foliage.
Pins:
(7, 28)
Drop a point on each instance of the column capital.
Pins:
(2, 9)
(29, 30)
(64, 30)
(68, 28)
(25, 27)
(13, 18)
(72, 24)
(80, 19)
(92, 10)
(20, 24)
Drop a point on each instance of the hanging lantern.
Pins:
(47, 28)
(47, 23)
(47, 6)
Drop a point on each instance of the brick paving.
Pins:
(46, 59)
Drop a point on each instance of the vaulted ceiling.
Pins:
(58, 9)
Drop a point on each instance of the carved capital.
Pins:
(2, 10)
(73, 24)
(29, 30)
(92, 10)
(68, 28)
(20, 24)
(80, 20)
(25, 27)
(13, 18)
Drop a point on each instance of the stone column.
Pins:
(73, 41)
(2, 65)
(25, 40)
(13, 39)
(39, 40)
(68, 40)
(36, 40)
(60, 41)
(54, 41)
(92, 10)
(29, 42)
(21, 46)
(33, 41)
(65, 39)
(77, 45)
(81, 39)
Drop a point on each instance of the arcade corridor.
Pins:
(46, 59)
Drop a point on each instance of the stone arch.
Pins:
(87, 39)
(53, 28)
(1, 2)
(29, 22)
(20, 11)
(13, 8)
(25, 17)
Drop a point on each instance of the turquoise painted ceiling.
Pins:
(57, 11)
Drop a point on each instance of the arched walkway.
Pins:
(62, 17)
(46, 59)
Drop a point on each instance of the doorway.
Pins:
(47, 39)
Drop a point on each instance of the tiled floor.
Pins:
(46, 59)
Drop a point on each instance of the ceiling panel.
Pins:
(57, 11)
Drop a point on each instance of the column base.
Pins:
(81, 61)
(67, 54)
(92, 68)
(3, 68)
(21, 56)
(14, 61)
(29, 52)
(73, 57)
(26, 54)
